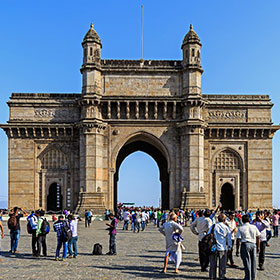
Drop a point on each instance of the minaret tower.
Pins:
(91, 63)
(191, 62)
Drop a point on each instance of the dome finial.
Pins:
(191, 27)
(91, 26)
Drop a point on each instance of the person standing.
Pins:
(14, 226)
(268, 230)
(249, 236)
(112, 232)
(231, 223)
(275, 223)
(2, 236)
(200, 227)
(73, 224)
(41, 236)
(262, 226)
(173, 243)
(61, 241)
(126, 218)
(34, 225)
(222, 234)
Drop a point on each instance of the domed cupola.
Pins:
(92, 48)
(191, 49)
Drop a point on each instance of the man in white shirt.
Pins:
(200, 227)
(248, 235)
(222, 235)
(231, 223)
(126, 218)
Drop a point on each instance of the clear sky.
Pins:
(40, 51)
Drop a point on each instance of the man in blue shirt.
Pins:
(58, 228)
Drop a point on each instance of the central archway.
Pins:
(157, 155)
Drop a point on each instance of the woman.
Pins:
(172, 230)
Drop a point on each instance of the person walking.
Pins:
(2, 236)
(61, 241)
(112, 227)
(126, 218)
(275, 223)
(222, 234)
(41, 236)
(249, 236)
(262, 226)
(14, 227)
(231, 223)
(200, 227)
(73, 224)
(172, 231)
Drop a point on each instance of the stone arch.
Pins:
(152, 146)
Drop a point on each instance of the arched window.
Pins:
(91, 51)
(227, 160)
(54, 159)
(198, 54)
(192, 52)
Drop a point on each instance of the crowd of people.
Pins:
(217, 233)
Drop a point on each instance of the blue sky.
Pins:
(40, 51)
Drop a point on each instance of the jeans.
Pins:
(262, 253)
(34, 243)
(222, 256)
(112, 244)
(42, 243)
(248, 256)
(14, 234)
(203, 257)
(125, 225)
(268, 235)
(229, 253)
(59, 245)
(275, 231)
(73, 242)
(143, 224)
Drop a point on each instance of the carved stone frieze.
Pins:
(56, 113)
(226, 115)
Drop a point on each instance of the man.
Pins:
(41, 237)
(126, 218)
(58, 228)
(231, 223)
(112, 232)
(33, 219)
(249, 236)
(173, 247)
(73, 224)
(275, 223)
(222, 235)
(2, 236)
(15, 214)
(88, 216)
(200, 227)
(262, 226)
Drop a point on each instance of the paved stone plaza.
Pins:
(140, 256)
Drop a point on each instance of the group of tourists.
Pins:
(217, 233)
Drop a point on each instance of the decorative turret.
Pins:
(91, 63)
(191, 62)
(191, 49)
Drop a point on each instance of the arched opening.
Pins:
(227, 197)
(157, 155)
(54, 199)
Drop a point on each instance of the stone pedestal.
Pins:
(193, 200)
(94, 201)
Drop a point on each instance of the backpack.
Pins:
(97, 249)
(45, 227)
(29, 228)
(67, 232)
(12, 222)
(208, 243)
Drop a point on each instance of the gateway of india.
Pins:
(65, 150)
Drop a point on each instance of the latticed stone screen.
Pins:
(226, 160)
(54, 159)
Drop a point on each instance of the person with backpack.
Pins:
(112, 232)
(73, 224)
(14, 227)
(2, 236)
(222, 236)
(62, 230)
(42, 230)
(33, 220)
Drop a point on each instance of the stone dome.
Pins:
(92, 36)
(191, 37)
